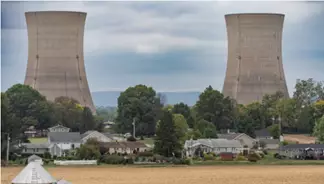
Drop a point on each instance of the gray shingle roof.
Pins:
(61, 137)
(214, 143)
(34, 146)
(229, 136)
(262, 133)
(302, 146)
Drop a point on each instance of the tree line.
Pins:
(22, 107)
(214, 113)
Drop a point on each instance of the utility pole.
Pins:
(134, 127)
(8, 142)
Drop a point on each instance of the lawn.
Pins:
(38, 140)
(148, 141)
(182, 175)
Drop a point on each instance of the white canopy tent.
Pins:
(63, 182)
(34, 173)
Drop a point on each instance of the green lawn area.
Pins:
(38, 140)
(147, 141)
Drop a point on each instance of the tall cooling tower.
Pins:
(55, 55)
(254, 66)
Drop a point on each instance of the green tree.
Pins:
(207, 129)
(287, 111)
(194, 134)
(9, 125)
(274, 131)
(214, 108)
(27, 105)
(69, 113)
(181, 127)
(166, 142)
(185, 111)
(142, 103)
(318, 109)
(319, 130)
(307, 90)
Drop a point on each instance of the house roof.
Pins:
(64, 137)
(214, 143)
(302, 146)
(262, 133)
(33, 173)
(34, 145)
(229, 136)
(58, 126)
(269, 141)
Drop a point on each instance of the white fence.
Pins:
(75, 162)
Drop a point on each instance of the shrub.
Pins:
(145, 154)
(208, 157)
(113, 159)
(265, 152)
(254, 157)
(142, 138)
(240, 158)
(188, 161)
(131, 139)
(157, 157)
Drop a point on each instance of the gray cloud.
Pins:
(145, 35)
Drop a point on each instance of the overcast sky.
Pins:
(172, 46)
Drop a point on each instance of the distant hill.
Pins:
(109, 98)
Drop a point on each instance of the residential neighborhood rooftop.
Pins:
(262, 133)
(64, 136)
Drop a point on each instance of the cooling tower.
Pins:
(55, 55)
(254, 66)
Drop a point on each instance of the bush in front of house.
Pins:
(112, 159)
(131, 139)
(240, 158)
(254, 157)
(208, 157)
(265, 152)
(145, 154)
(47, 155)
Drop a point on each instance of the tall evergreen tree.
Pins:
(166, 141)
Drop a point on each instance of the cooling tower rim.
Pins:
(53, 11)
(268, 14)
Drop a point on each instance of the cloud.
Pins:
(127, 43)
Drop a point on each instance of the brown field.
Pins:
(300, 138)
(183, 175)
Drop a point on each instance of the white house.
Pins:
(241, 137)
(59, 128)
(125, 147)
(65, 140)
(216, 146)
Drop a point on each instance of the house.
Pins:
(263, 134)
(216, 146)
(59, 128)
(65, 140)
(97, 135)
(33, 132)
(40, 149)
(124, 147)
(301, 150)
(115, 137)
(241, 137)
(270, 144)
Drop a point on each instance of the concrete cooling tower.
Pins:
(55, 55)
(254, 66)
